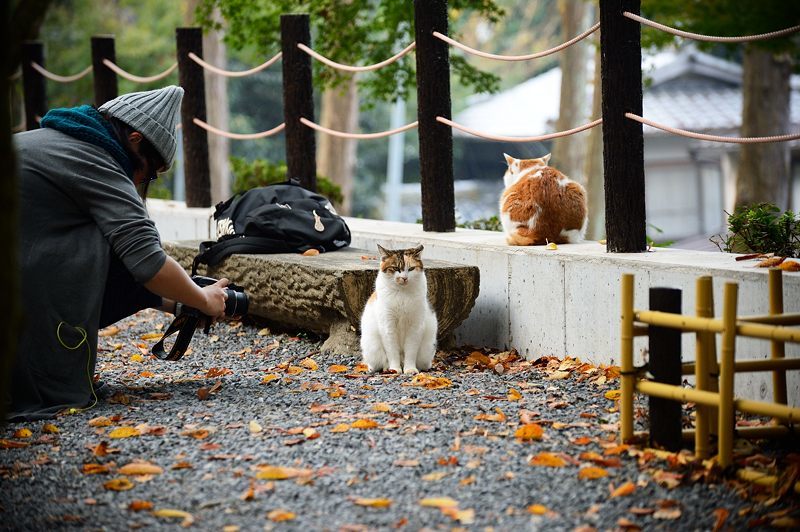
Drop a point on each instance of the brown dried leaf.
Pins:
(118, 484)
(373, 503)
(280, 515)
(123, 432)
(547, 460)
(528, 432)
(138, 505)
(140, 468)
(439, 502)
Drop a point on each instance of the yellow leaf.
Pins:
(592, 473)
(118, 484)
(49, 428)
(309, 363)
(547, 460)
(138, 505)
(373, 503)
(364, 424)
(427, 381)
(514, 395)
(137, 358)
(151, 336)
(197, 434)
(537, 509)
(123, 432)
(269, 377)
(341, 427)
(381, 407)
(95, 469)
(280, 473)
(499, 417)
(310, 433)
(169, 513)
(108, 331)
(624, 489)
(280, 515)
(557, 376)
(254, 427)
(531, 431)
(465, 517)
(613, 395)
(551, 245)
(140, 468)
(436, 475)
(263, 332)
(23, 433)
(439, 502)
(294, 370)
(337, 368)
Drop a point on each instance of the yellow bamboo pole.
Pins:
(778, 351)
(703, 309)
(755, 433)
(726, 411)
(768, 332)
(750, 366)
(626, 360)
(678, 321)
(770, 319)
(760, 408)
(677, 393)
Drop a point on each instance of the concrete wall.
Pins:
(565, 302)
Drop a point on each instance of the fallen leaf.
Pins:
(557, 376)
(436, 475)
(790, 266)
(531, 431)
(623, 490)
(280, 514)
(613, 395)
(337, 368)
(498, 417)
(406, 463)
(197, 434)
(254, 427)
(439, 502)
(341, 427)
(381, 407)
(373, 503)
(309, 363)
(721, 515)
(49, 428)
(140, 468)
(170, 513)
(551, 246)
(310, 252)
(10, 444)
(364, 423)
(118, 484)
(280, 473)
(547, 460)
(269, 377)
(138, 505)
(537, 509)
(22, 433)
(514, 395)
(96, 469)
(123, 432)
(427, 381)
(111, 330)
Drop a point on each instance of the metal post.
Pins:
(623, 142)
(105, 79)
(197, 173)
(665, 365)
(298, 100)
(34, 85)
(433, 99)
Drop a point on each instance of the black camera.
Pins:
(188, 319)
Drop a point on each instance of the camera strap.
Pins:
(185, 325)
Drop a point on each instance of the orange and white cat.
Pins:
(540, 204)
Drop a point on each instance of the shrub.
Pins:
(260, 172)
(761, 228)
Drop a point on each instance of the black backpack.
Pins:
(281, 218)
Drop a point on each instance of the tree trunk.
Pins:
(9, 267)
(217, 110)
(569, 152)
(336, 157)
(763, 174)
(594, 162)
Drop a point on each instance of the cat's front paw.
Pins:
(411, 371)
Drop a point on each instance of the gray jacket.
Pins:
(76, 206)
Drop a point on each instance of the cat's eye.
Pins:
(412, 268)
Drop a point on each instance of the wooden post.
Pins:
(105, 79)
(623, 144)
(298, 100)
(433, 99)
(778, 348)
(197, 173)
(34, 85)
(627, 378)
(665, 365)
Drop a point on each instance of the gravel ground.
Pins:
(214, 428)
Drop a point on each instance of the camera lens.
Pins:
(235, 303)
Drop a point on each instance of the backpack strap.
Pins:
(212, 253)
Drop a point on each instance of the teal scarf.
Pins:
(87, 124)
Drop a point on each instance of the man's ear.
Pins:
(135, 137)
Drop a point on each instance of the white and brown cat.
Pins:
(398, 326)
(540, 204)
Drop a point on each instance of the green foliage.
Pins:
(651, 243)
(761, 228)
(723, 18)
(260, 172)
(487, 224)
(357, 32)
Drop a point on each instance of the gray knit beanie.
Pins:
(154, 114)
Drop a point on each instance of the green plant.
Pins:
(260, 172)
(651, 243)
(487, 224)
(761, 228)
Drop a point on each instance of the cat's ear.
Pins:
(546, 158)
(509, 159)
(383, 251)
(416, 251)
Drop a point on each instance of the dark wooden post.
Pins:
(433, 99)
(34, 85)
(196, 170)
(665, 365)
(105, 79)
(298, 100)
(623, 144)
